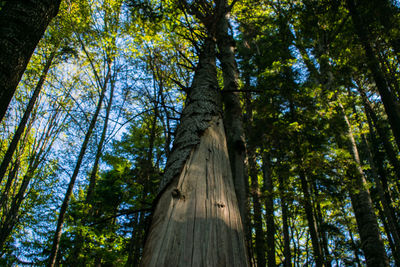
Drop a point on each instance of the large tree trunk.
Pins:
(372, 244)
(196, 221)
(22, 24)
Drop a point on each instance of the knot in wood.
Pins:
(220, 205)
(176, 193)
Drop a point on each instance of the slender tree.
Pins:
(68, 193)
(21, 127)
(367, 223)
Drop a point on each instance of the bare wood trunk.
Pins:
(196, 221)
(22, 24)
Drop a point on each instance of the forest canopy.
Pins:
(200, 133)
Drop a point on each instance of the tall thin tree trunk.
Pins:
(21, 127)
(372, 244)
(255, 188)
(138, 233)
(68, 193)
(22, 25)
(95, 169)
(136, 242)
(353, 243)
(233, 120)
(196, 221)
(11, 215)
(382, 132)
(386, 227)
(380, 180)
(391, 106)
(312, 224)
(269, 210)
(257, 217)
(320, 223)
(285, 228)
(307, 201)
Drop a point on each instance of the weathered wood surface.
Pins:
(197, 220)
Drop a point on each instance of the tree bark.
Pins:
(196, 221)
(372, 244)
(68, 193)
(22, 25)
